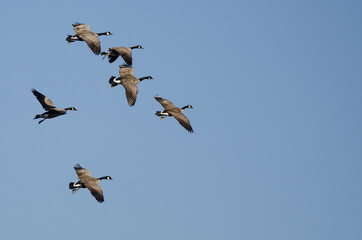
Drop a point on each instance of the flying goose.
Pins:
(124, 52)
(129, 81)
(87, 181)
(51, 110)
(172, 110)
(84, 34)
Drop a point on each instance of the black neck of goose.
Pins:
(147, 77)
(138, 46)
(103, 33)
(101, 178)
(187, 106)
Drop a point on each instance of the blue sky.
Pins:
(276, 90)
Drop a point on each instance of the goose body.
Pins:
(87, 181)
(82, 33)
(170, 110)
(51, 110)
(129, 82)
(124, 52)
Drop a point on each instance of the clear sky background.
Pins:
(276, 90)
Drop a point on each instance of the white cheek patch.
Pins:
(117, 80)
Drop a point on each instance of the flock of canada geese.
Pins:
(127, 80)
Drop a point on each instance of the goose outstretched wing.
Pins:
(44, 100)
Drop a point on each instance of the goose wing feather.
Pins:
(44, 100)
(92, 41)
(82, 172)
(167, 105)
(131, 90)
(125, 53)
(89, 37)
(95, 190)
(182, 119)
(80, 27)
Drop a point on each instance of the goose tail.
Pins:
(69, 39)
(114, 81)
(71, 185)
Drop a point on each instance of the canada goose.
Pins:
(51, 110)
(124, 52)
(172, 110)
(84, 34)
(129, 81)
(87, 181)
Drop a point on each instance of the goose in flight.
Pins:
(82, 33)
(51, 110)
(171, 110)
(124, 52)
(87, 181)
